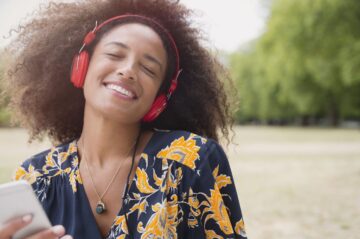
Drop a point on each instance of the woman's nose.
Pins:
(127, 71)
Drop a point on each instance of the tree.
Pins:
(308, 59)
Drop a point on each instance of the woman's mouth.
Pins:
(120, 90)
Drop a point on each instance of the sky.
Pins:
(227, 24)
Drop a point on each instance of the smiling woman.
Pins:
(135, 128)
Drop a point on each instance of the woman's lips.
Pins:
(121, 90)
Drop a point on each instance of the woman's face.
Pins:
(125, 72)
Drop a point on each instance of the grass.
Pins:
(15, 149)
(298, 183)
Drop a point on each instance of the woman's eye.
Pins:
(114, 55)
(147, 70)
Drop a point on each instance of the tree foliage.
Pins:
(306, 64)
(4, 99)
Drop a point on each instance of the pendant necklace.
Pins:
(100, 206)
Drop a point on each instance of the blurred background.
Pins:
(295, 155)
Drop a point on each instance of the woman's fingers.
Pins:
(54, 232)
(8, 229)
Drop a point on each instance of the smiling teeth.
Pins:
(120, 90)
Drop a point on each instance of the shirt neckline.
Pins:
(147, 149)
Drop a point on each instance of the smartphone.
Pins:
(18, 199)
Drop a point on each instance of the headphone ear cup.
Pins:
(157, 107)
(79, 69)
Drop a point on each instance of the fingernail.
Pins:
(67, 237)
(58, 230)
(27, 218)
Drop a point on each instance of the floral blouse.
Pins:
(182, 188)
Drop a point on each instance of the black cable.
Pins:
(128, 183)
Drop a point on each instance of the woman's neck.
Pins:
(105, 140)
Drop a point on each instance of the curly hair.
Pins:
(44, 101)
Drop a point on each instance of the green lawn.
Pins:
(293, 183)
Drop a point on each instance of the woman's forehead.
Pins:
(132, 32)
(136, 37)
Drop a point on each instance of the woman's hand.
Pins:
(11, 227)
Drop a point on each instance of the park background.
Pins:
(295, 154)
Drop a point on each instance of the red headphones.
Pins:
(81, 62)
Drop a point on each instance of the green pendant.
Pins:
(100, 207)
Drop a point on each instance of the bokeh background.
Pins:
(295, 154)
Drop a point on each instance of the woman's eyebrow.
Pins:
(147, 56)
(118, 44)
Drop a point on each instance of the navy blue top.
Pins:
(182, 188)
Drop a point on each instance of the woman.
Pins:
(137, 153)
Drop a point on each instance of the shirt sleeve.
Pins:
(31, 171)
(214, 204)
(26, 171)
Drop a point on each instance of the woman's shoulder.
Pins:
(182, 139)
(45, 162)
(187, 148)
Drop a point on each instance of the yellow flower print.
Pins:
(142, 182)
(193, 202)
(172, 221)
(157, 179)
(29, 175)
(163, 223)
(141, 206)
(160, 181)
(168, 180)
(218, 211)
(49, 162)
(240, 228)
(137, 196)
(211, 234)
(181, 150)
(54, 162)
(121, 223)
(172, 180)
(74, 175)
(72, 148)
(145, 156)
(155, 226)
(193, 222)
(221, 180)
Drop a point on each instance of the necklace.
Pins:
(100, 206)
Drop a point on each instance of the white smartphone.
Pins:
(18, 199)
